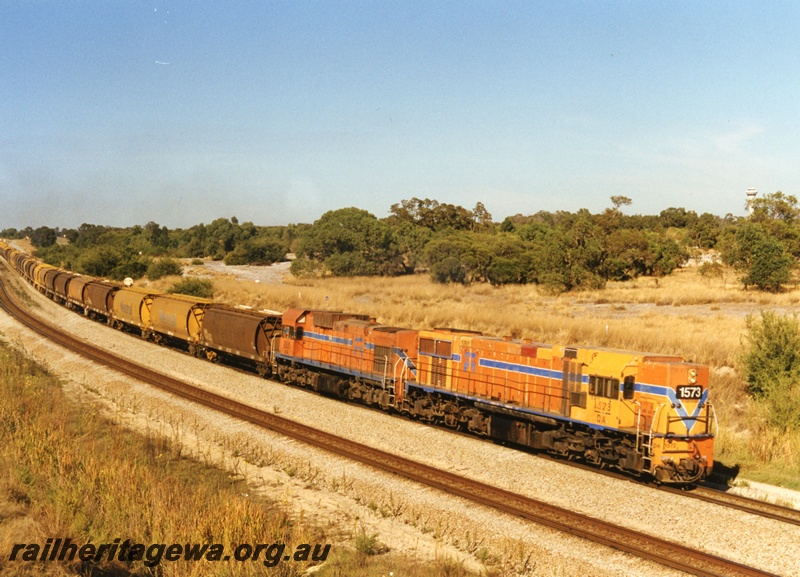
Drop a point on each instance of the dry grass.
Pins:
(637, 316)
(67, 472)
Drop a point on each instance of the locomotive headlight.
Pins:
(692, 376)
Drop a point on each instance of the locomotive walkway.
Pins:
(673, 555)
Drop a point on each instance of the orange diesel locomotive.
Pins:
(638, 412)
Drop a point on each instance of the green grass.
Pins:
(766, 455)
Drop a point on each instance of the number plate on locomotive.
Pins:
(689, 391)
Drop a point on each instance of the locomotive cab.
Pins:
(679, 431)
(659, 402)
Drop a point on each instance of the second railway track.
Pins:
(641, 545)
(708, 495)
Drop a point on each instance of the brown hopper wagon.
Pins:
(75, 290)
(29, 264)
(241, 336)
(50, 278)
(98, 296)
(60, 284)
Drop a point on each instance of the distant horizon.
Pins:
(244, 220)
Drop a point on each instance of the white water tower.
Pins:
(751, 196)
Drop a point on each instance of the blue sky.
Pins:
(181, 112)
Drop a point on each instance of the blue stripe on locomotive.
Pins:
(656, 390)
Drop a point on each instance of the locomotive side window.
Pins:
(287, 332)
(436, 347)
(627, 387)
(604, 387)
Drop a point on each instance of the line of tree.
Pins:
(560, 251)
(152, 249)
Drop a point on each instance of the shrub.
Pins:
(449, 270)
(262, 251)
(771, 366)
(711, 270)
(196, 287)
(111, 262)
(770, 268)
(504, 271)
(763, 258)
(305, 267)
(164, 267)
(368, 544)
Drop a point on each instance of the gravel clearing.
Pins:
(260, 274)
(407, 517)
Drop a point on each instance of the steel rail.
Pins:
(741, 503)
(704, 492)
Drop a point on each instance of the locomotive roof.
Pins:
(645, 355)
(388, 329)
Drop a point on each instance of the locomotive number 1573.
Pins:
(689, 391)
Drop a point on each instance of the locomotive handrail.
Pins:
(403, 370)
(711, 409)
(273, 363)
(650, 435)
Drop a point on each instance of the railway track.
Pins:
(648, 547)
(745, 504)
(706, 494)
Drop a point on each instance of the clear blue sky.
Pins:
(122, 112)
